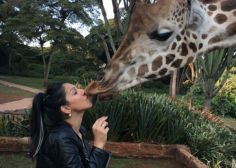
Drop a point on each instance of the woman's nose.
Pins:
(81, 91)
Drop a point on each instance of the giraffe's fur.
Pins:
(144, 55)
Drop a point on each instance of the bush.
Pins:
(12, 125)
(225, 102)
(156, 119)
(224, 106)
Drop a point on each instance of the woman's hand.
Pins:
(100, 131)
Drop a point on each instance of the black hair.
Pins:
(45, 114)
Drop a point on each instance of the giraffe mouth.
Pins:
(97, 88)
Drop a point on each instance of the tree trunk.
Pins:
(107, 26)
(105, 47)
(48, 68)
(128, 7)
(116, 11)
(10, 63)
(207, 104)
(44, 66)
(209, 87)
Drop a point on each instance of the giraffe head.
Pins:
(165, 36)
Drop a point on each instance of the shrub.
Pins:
(13, 125)
(224, 105)
(156, 119)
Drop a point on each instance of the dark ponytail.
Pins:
(37, 126)
(46, 114)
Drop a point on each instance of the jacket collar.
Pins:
(82, 129)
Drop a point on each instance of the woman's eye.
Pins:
(75, 93)
(160, 36)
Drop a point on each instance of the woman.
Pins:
(56, 132)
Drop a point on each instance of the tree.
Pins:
(214, 66)
(117, 17)
(100, 2)
(47, 21)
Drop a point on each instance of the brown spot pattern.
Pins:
(170, 58)
(193, 46)
(194, 36)
(162, 71)
(178, 38)
(208, 1)
(173, 46)
(234, 13)
(231, 29)
(188, 34)
(212, 7)
(228, 5)
(215, 39)
(142, 69)
(156, 63)
(204, 36)
(200, 46)
(190, 60)
(176, 63)
(220, 18)
(184, 49)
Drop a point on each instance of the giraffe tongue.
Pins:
(94, 89)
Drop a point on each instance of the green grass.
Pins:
(230, 122)
(14, 91)
(19, 160)
(27, 81)
(15, 160)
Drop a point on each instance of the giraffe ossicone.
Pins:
(165, 36)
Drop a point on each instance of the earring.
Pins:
(69, 114)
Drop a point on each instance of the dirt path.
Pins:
(16, 105)
(19, 104)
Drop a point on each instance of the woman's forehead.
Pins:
(68, 86)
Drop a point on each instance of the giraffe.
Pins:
(165, 36)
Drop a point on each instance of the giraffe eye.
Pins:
(155, 35)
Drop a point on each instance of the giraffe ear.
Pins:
(196, 18)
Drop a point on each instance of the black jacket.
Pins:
(62, 148)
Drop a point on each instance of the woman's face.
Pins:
(76, 98)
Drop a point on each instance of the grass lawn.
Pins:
(20, 161)
(8, 94)
(231, 122)
(27, 81)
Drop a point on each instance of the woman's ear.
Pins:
(66, 109)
